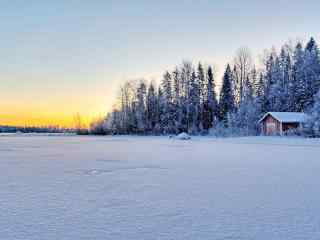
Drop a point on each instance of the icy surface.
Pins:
(68, 187)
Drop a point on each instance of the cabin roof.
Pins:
(286, 117)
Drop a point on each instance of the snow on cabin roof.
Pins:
(287, 117)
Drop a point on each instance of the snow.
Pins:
(287, 117)
(119, 188)
(183, 136)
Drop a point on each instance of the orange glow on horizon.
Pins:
(43, 121)
(32, 116)
(42, 109)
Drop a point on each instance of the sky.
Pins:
(63, 57)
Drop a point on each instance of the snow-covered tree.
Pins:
(286, 77)
(211, 108)
(311, 71)
(245, 120)
(243, 65)
(141, 107)
(226, 103)
(276, 87)
(193, 104)
(151, 108)
(202, 94)
(299, 86)
(313, 121)
(186, 99)
(168, 111)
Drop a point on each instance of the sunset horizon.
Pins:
(63, 58)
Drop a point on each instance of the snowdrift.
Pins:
(183, 136)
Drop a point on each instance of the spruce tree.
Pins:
(226, 103)
(177, 115)
(286, 70)
(212, 103)
(193, 104)
(311, 71)
(161, 122)
(313, 121)
(139, 108)
(151, 108)
(299, 87)
(202, 93)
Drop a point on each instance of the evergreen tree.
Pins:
(286, 74)
(202, 94)
(168, 112)
(276, 93)
(193, 104)
(151, 108)
(311, 71)
(313, 122)
(139, 107)
(299, 86)
(176, 85)
(236, 86)
(226, 103)
(177, 115)
(211, 110)
(186, 75)
(167, 86)
(270, 82)
(161, 121)
(244, 121)
(260, 96)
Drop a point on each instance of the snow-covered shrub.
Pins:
(183, 136)
(244, 122)
(293, 132)
(220, 130)
(312, 125)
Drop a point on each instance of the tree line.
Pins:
(188, 100)
(35, 129)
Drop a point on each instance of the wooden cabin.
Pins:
(277, 123)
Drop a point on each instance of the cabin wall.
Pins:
(271, 126)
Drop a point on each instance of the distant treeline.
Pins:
(50, 129)
(187, 99)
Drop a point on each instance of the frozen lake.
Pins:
(145, 188)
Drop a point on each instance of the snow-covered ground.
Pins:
(136, 188)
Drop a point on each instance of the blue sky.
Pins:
(63, 57)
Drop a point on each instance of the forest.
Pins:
(190, 99)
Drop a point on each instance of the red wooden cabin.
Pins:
(277, 123)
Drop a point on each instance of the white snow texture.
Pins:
(121, 188)
(183, 136)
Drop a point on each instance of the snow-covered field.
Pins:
(72, 188)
